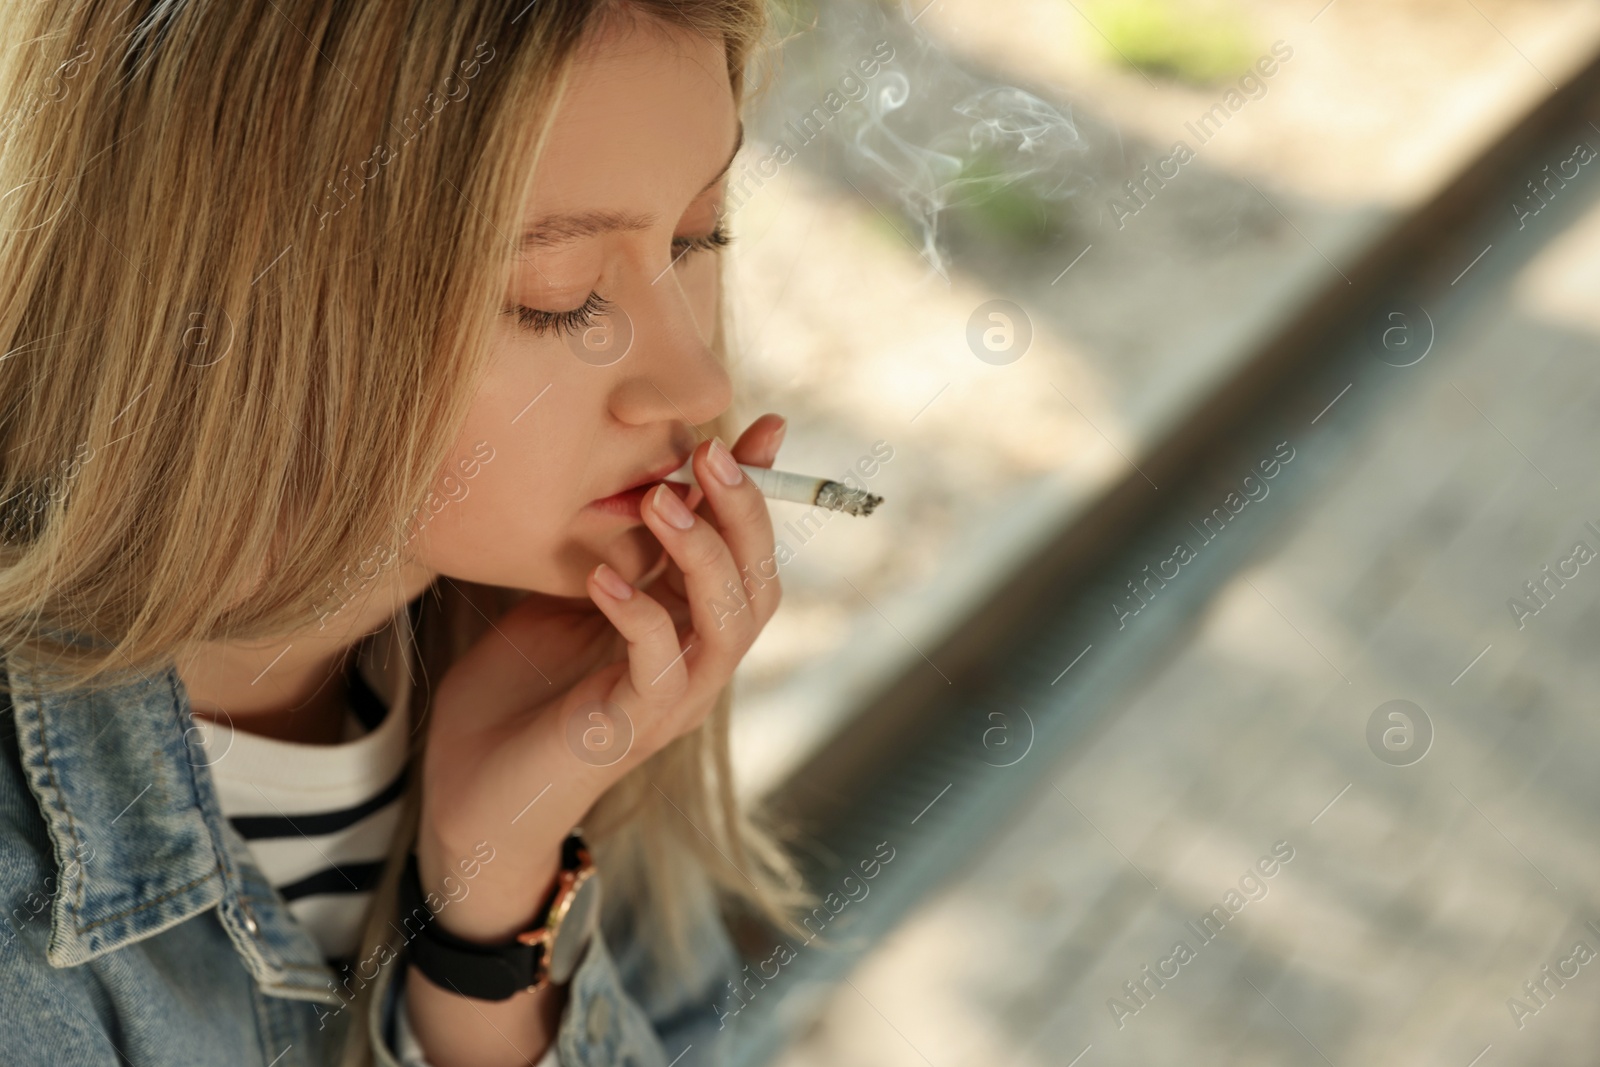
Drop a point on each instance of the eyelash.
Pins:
(583, 316)
(565, 322)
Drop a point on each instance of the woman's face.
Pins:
(625, 204)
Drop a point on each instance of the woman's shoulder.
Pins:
(87, 934)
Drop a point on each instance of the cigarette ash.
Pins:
(840, 497)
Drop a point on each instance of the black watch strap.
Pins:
(485, 972)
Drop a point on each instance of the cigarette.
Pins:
(800, 488)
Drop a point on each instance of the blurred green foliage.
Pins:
(1202, 42)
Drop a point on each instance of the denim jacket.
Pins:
(137, 930)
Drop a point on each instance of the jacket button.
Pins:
(598, 1019)
(249, 920)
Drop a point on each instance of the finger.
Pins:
(666, 579)
(722, 629)
(758, 445)
(657, 673)
(741, 515)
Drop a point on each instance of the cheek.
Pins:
(489, 527)
(500, 507)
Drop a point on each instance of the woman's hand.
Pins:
(511, 757)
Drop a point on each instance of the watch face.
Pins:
(576, 927)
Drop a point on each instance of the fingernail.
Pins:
(777, 438)
(612, 582)
(669, 507)
(722, 464)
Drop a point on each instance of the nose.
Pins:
(670, 372)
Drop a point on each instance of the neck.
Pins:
(317, 719)
(299, 701)
(290, 688)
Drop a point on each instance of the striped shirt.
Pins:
(319, 819)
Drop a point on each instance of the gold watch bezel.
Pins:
(568, 882)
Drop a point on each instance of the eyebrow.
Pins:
(564, 228)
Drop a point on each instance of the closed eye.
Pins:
(718, 238)
(595, 306)
(573, 321)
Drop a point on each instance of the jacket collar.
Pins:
(139, 838)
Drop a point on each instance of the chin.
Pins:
(635, 554)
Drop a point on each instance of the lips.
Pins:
(626, 501)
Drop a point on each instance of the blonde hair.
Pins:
(237, 340)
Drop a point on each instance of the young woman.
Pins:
(344, 344)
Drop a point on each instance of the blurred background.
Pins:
(1227, 368)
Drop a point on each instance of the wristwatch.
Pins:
(546, 954)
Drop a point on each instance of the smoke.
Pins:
(919, 176)
(932, 155)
